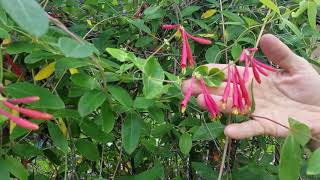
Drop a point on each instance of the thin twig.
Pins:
(224, 157)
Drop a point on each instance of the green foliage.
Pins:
(116, 89)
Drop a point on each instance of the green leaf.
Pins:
(139, 23)
(204, 170)
(236, 51)
(142, 103)
(271, 5)
(293, 28)
(312, 14)
(26, 150)
(4, 170)
(90, 101)
(4, 34)
(66, 63)
(155, 173)
(57, 137)
(189, 10)
(313, 163)
(290, 159)
(85, 81)
(300, 132)
(87, 149)
(118, 54)
(108, 117)
(121, 95)
(28, 14)
(16, 168)
(72, 48)
(185, 143)
(47, 99)
(213, 54)
(94, 131)
(208, 132)
(130, 132)
(303, 5)
(156, 114)
(37, 56)
(20, 47)
(153, 77)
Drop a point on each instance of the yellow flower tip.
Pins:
(183, 109)
(184, 70)
(235, 111)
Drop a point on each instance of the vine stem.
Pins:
(224, 157)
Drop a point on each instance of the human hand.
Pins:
(290, 92)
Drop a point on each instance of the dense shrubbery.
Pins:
(110, 74)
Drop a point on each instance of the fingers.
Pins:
(244, 130)
(280, 54)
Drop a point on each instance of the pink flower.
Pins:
(209, 101)
(186, 53)
(244, 91)
(227, 89)
(187, 96)
(28, 112)
(257, 67)
(29, 99)
(19, 121)
(199, 40)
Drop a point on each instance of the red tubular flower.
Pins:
(186, 53)
(235, 98)
(244, 91)
(20, 121)
(29, 112)
(29, 99)
(257, 67)
(189, 52)
(209, 101)
(227, 89)
(170, 26)
(199, 40)
(255, 72)
(187, 96)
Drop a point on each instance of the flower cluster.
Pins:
(12, 104)
(186, 54)
(209, 101)
(241, 102)
(257, 66)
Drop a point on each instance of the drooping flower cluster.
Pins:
(241, 102)
(12, 104)
(209, 101)
(186, 52)
(257, 66)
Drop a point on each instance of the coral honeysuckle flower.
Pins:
(187, 96)
(29, 99)
(241, 102)
(10, 103)
(186, 53)
(257, 66)
(227, 89)
(209, 101)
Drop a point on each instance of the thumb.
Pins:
(280, 54)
